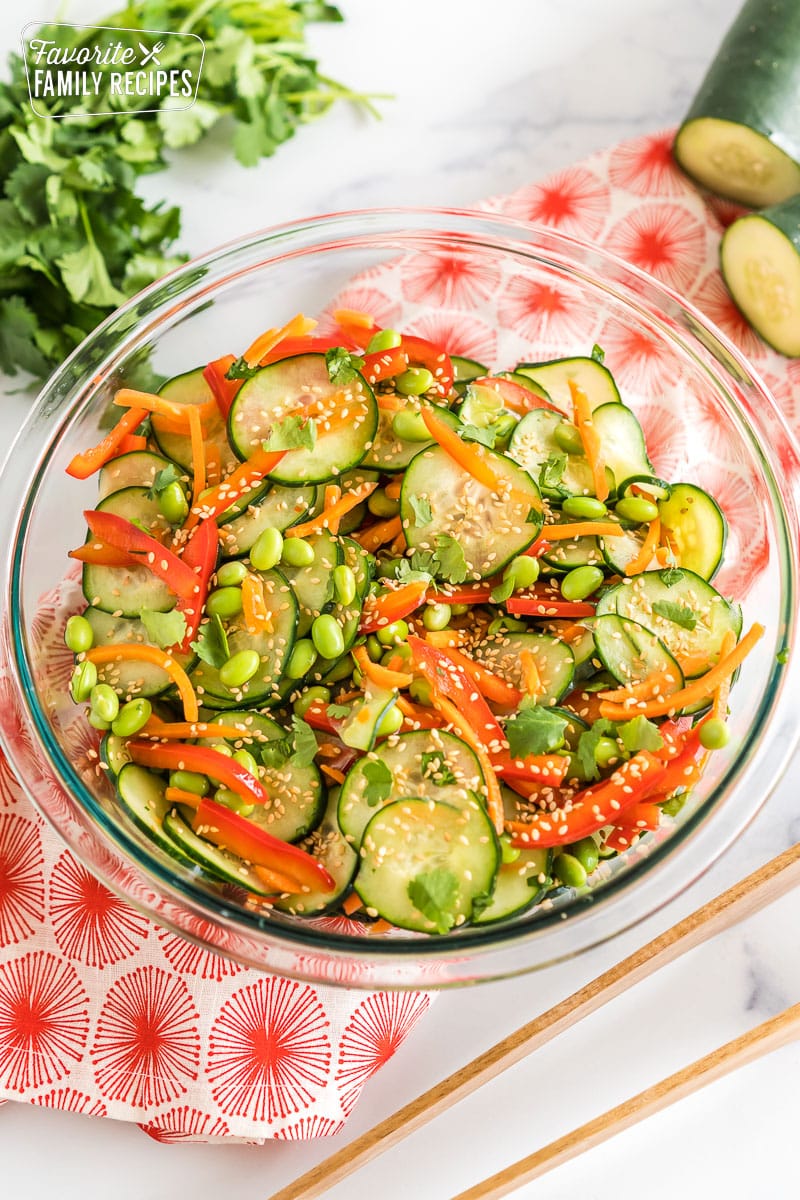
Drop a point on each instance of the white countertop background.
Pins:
(488, 96)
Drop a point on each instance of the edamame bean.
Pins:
(505, 425)
(567, 437)
(225, 603)
(458, 610)
(84, 678)
(358, 678)
(569, 871)
(78, 635)
(312, 695)
(581, 582)
(132, 717)
(394, 634)
(246, 760)
(420, 690)
(374, 648)
(224, 749)
(508, 624)
(104, 702)
(508, 853)
(584, 508)
(414, 381)
(326, 634)
(297, 553)
(391, 721)
(232, 574)
(343, 669)
(302, 659)
(524, 571)
(344, 584)
(410, 427)
(388, 568)
(172, 503)
(714, 734)
(636, 508)
(606, 752)
(380, 505)
(586, 853)
(436, 617)
(229, 798)
(239, 668)
(401, 650)
(385, 339)
(265, 553)
(189, 781)
(98, 722)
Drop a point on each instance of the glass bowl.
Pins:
(488, 288)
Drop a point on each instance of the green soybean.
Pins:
(239, 668)
(392, 635)
(714, 734)
(385, 339)
(388, 568)
(505, 425)
(581, 582)
(437, 616)
(189, 781)
(344, 584)
(509, 624)
(380, 505)
(391, 721)
(374, 648)
(232, 800)
(104, 702)
(84, 678)
(225, 603)
(172, 503)
(584, 508)
(98, 722)
(327, 636)
(78, 635)
(586, 853)
(312, 695)
(265, 553)
(296, 553)
(524, 571)
(414, 381)
(302, 659)
(232, 574)
(459, 609)
(635, 508)
(567, 437)
(569, 871)
(508, 853)
(343, 669)
(606, 751)
(132, 717)
(246, 760)
(410, 427)
(421, 691)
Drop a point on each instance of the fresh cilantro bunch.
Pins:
(75, 238)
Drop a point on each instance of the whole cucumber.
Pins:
(760, 262)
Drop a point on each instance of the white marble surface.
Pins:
(488, 97)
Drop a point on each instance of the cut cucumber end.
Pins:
(761, 267)
(736, 162)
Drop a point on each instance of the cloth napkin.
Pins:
(104, 1013)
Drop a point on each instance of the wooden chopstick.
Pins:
(756, 1043)
(747, 896)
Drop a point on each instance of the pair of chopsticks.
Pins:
(751, 894)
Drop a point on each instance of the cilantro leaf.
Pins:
(472, 433)
(304, 743)
(670, 576)
(342, 366)
(673, 806)
(338, 712)
(421, 565)
(421, 509)
(379, 782)
(163, 478)
(535, 730)
(640, 734)
(587, 744)
(434, 767)
(782, 656)
(434, 894)
(240, 368)
(292, 433)
(164, 628)
(679, 614)
(450, 561)
(552, 471)
(212, 643)
(598, 353)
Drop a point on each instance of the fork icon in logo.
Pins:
(149, 56)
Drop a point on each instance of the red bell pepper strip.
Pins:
(423, 353)
(452, 681)
(224, 389)
(547, 603)
(514, 396)
(539, 547)
(144, 550)
(316, 715)
(384, 364)
(230, 831)
(549, 769)
(174, 756)
(200, 553)
(601, 804)
(131, 443)
(393, 606)
(246, 477)
(639, 819)
(470, 593)
(492, 687)
(85, 464)
(291, 346)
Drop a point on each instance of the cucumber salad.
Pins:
(372, 630)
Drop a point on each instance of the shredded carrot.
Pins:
(720, 706)
(333, 493)
(660, 683)
(352, 320)
(297, 327)
(577, 529)
(177, 795)
(531, 678)
(256, 613)
(393, 489)
(381, 676)
(662, 556)
(399, 545)
(379, 926)
(276, 881)
(697, 690)
(492, 687)
(332, 772)
(169, 409)
(104, 556)
(417, 716)
(494, 799)
(84, 465)
(334, 512)
(444, 638)
(352, 904)
(198, 455)
(391, 402)
(590, 439)
(649, 547)
(246, 477)
(133, 652)
(384, 531)
(213, 464)
(568, 632)
(173, 731)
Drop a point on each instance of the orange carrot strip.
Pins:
(246, 477)
(256, 614)
(467, 454)
(379, 926)
(444, 638)
(492, 687)
(530, 674)
(661, 683)
(352, 904)
(179, 413)
(393, 489)
(198, 455)
(576, 529)
(177, 795)
(130, 652)
(494, 799)
(417, 716)
(103, 555)
(698, 689)
(268, 340)
(333, 493)
(720, 706)
(385, 531)
(590, 439)
(649, 547)
(333, 773)
(335, 512)
(380, 676)
(213, 463)
(276, 881)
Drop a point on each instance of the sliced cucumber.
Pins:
(191, 388)
(577, 552)
(338, 858)
(114, 753)
(533, 445)
(695, 650)
(619, 551)
(491, 526)
(431, 764)
(348, 483)
(313, 585)
(129, 678)
(696, 527)
(465, 369)
(136, 469)
(360, 729)
(622, 443)
(520, 884)
(390, 453)
(220, 863)
(554, 661)
(127, 590)
(590, 375)
(631, 653)
(411, 840)
(525, 381)
(141, 795)
(297, 386)
(760, 261)
(275, 508)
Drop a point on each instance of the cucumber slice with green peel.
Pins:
(579, 552)
(127, 590)
(360, 729)
(696, 527)
(520, 884)
(619, 551)
(686, 597)
(114, 753)
(760, 262)
(191, 388)
(590, 375)
(622, 443)
(631, 653)
(533, 445)
(741, 136)
(430, 764)
(390, 453)
(300, 386)
(348, 483)
(275, 508)
(138, 468)
(424, 863)
(129, 678)
(273, 648)
(525, 381)
(222, 865)
(491, 526)
(650, 486)
(141, 796)
(337, 856)
(553, 658)
(349, 615)
(465, 369)
(313, 585)
(249, 500)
